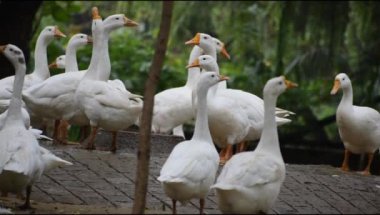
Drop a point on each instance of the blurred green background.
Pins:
(308, 42)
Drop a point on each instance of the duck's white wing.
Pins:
(20, 152)
(172, 107)
(186, 164)
(55, 85)
(6, 87)
(109, 96)
(248, 170)
(369, 117)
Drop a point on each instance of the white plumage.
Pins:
(250, 181)
(191, 167)
(359, 126)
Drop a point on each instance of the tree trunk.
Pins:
(143, 154)
(16, 24)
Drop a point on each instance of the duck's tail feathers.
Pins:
(51, 161)
(283, 113)
(280, 121)
(222, 186)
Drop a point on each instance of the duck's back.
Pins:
(53, 97)
(253, 177)
(189, 170)
(172, 107)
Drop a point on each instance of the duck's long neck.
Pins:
(14, 110)
(201, 130)
(71, 59)
(194, 72)
(41, 68)
(347, 98)
(104, 65)
(214, 89)
(96, 52)
(210, 51)
(269, 137)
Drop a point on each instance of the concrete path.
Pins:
(103, 179)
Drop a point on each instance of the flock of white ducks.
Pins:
(249, 181)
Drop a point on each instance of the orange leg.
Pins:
(227, 154)
(222, 154)
(114, 136)
(56, 131)
(241, 146)
(202, 205)
(368, 167)
(90, 144)
(174, 207)
(63, 131)
(345, 167)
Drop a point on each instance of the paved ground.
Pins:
(100, 179)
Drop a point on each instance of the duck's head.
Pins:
(203, 40)
(220, 48)
(208, 79)
(341, 81)
(59, 62)
(278, 85)
(79, 40)
(206, 62)
(116, 21)
(97, 23)
(51, 32)
(13, 53)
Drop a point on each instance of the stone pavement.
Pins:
(101, 178)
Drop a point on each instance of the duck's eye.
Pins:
(343, 79)
(10, 49)
(117, 18)
(280, 82)
(81, 36)
(49, 29)
(212, 76)
(205, 37)
(204, 58)
(218, 43)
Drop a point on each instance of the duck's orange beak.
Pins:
(195, 41)
(335, 87)
(58, 33)
(129, 22)
(53, 65)
(2, 48)
(225, 53)
(223, 78)
(89, 40)
(193, 64)
(95, 13)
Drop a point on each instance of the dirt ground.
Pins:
(58, 208)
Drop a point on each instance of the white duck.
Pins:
(59, 62)
(251, 181)
(21, 158)
(191, 167)
(105, 105)
(251, 105)
(41, 70)
(54, 98)
(172, 107)
(359, 126)
(70, 63)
